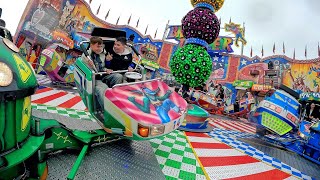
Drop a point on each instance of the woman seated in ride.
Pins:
(312, 113)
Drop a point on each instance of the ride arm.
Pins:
(146, 104)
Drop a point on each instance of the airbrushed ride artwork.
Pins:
(83, 98)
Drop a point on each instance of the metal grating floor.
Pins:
(123, 159)
(292, 159)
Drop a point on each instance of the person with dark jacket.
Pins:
(312, 112)
(220, 92)
(118, 58)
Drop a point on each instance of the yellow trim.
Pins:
(195, 154)
(113, 109)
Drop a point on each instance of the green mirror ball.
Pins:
(191, 65)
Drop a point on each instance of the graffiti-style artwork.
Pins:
(302, 78)
(162, 104)
(175, 32)
(151, 102)
(238, 31)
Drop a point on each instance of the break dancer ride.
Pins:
(27, 139)
(191, 65)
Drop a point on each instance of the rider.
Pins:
(312, 113)
(118, 58)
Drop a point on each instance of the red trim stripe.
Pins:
(247, 126)
(274, 174)
(227, 127)
(210, 145)
(226, 161)
(43, 90)
(71, 102)
(238, 127)
(197, 134)
(49, 98)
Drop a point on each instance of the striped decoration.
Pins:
(220, 161)
(57, 98)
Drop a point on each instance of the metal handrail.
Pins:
(124, 84)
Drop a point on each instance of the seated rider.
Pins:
(220, 92)
(312, 113)
(117, 58)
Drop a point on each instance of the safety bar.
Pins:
(124, 84)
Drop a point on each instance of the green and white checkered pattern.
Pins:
(176, 157)
(173, 152)
(84, 115)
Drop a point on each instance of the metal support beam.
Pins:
(77, 164)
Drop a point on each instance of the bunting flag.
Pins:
(318, 50)
(294, 53)
(129, 19)
(305, 52)
(283, 48)
(105, 18)
(274, 48)
(262, 52)
(118, 20)
(98, 9)
(138, 23)
(155, 34)
(90, 1)
(251, 52)
(145, 32)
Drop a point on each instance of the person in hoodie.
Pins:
(118, 58)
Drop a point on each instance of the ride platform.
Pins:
(230, 150)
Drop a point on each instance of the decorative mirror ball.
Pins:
(191, 65)
(217, 4)
(201, 23)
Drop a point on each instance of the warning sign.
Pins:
(26, 113)
(24, 70)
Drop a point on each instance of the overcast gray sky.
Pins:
(294, 22)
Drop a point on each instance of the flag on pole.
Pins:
(262, 52)
(274, 48)
(118, 20)
(305, 52)
(105, 18)
(155, 34)
(165, 30)
(145, 32)
(90, 1)
(129, 19)
(251, 52)
(137, 23)
(98, 9)
(318, 50)
(294, 53)
(283, 48)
